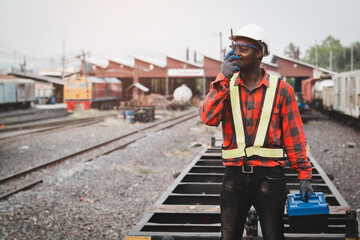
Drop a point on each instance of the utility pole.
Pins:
(63, 61)
(167, 82)
(187, 54)
(14, 62)
(83, 63)
(221, 46)
(204, 85)
(330, 61)
(23, 66)
(344, 58)
(352, 58)
(316, 56)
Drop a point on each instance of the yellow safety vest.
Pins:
(257, 149)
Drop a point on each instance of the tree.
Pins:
(356, 54)
(343, 59)
(330, 44)
(341, 56)
(292, 51)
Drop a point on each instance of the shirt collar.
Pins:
(264, 81)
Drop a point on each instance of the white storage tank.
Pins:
(182, 94)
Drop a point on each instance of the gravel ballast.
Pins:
(105, 198)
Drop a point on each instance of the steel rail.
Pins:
(189, 208)
(50, 124)
(142, 135)
(23, 188)
(84, 122)
(37, 119)
(17, 114)
(164, 125)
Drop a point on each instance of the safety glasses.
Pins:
(243, 47)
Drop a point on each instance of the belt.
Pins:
(247, 169)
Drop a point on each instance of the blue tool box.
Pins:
(307, 217)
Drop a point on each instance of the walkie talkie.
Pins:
(232, 39)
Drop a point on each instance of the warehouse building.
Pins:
(163, 77)
(293, 68)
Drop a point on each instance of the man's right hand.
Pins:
(230, 65)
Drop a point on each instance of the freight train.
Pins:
(92, 92)
(338, 94)
(16, 93)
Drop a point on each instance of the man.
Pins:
(260, 124)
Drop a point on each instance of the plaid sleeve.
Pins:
(293, 134)
(211, 109)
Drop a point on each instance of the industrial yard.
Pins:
(179, 120)
(105, 198)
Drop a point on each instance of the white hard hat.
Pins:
(256, 33)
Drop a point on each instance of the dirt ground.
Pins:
(336, 147)
(105, 198)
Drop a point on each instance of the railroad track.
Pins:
(17, 132)
(11, 118)
(20, 113)
(84, 155)
(189, 208)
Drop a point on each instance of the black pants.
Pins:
(265, 189)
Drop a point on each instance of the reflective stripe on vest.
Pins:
(257, 149)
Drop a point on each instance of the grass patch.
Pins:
(114, 122)
(81, 113)
(145, 170)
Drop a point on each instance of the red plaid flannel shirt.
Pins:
(285, 128)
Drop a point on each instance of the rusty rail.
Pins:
(132, 137)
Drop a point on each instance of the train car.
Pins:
(307, 89)
(328, 97)
(44, 92)
(347, 93)
(339, 95)
(318, 91)
(92, 92)
(16, 93)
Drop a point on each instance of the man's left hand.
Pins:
(306, 190)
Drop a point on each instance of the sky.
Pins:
(119, 29)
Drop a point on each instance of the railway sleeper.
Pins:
(189, 208)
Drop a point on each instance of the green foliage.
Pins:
(341, 56)
(344, 58)
(290, 51)
(291, 81)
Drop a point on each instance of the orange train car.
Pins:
(307, 89)
(92, 92)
